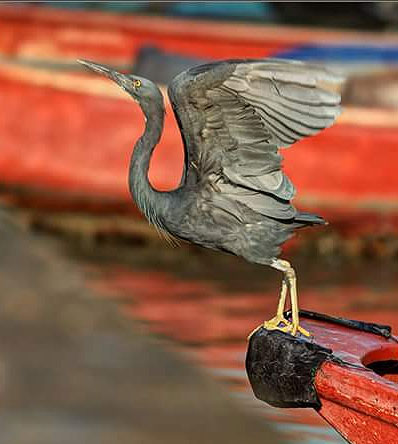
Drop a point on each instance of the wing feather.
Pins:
(235, 115)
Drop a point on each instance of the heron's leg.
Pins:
(274, 323)
(289, 282)
(282, 300)
(279, 322)
(290, 276)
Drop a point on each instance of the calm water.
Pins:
(207, 303)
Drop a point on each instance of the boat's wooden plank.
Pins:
(360, 390)
(356, 427)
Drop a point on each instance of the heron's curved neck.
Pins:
(152, 203)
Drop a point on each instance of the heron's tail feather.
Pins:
(304, 219)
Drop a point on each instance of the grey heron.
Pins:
(233, 115)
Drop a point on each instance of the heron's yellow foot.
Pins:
(282, 324)
(297, 329)
(277, 323)
(273, 324)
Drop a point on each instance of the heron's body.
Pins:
(234, 116)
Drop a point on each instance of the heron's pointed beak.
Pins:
(121, 79)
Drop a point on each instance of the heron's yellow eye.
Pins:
(137, 83)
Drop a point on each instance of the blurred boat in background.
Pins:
(66, 135)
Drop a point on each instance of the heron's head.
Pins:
(142, 90)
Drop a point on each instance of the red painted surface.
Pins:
(357, 427)
(359, 403)
(384, 353)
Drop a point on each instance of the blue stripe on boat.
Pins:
(342, 53)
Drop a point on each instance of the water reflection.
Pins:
(208, 303)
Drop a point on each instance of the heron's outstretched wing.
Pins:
(234, 116)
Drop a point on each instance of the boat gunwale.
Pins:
(352, 388)
(236, 31)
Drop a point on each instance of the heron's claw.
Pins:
(287, 326)
(282, 324)
(277, 323)
(297, 329)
